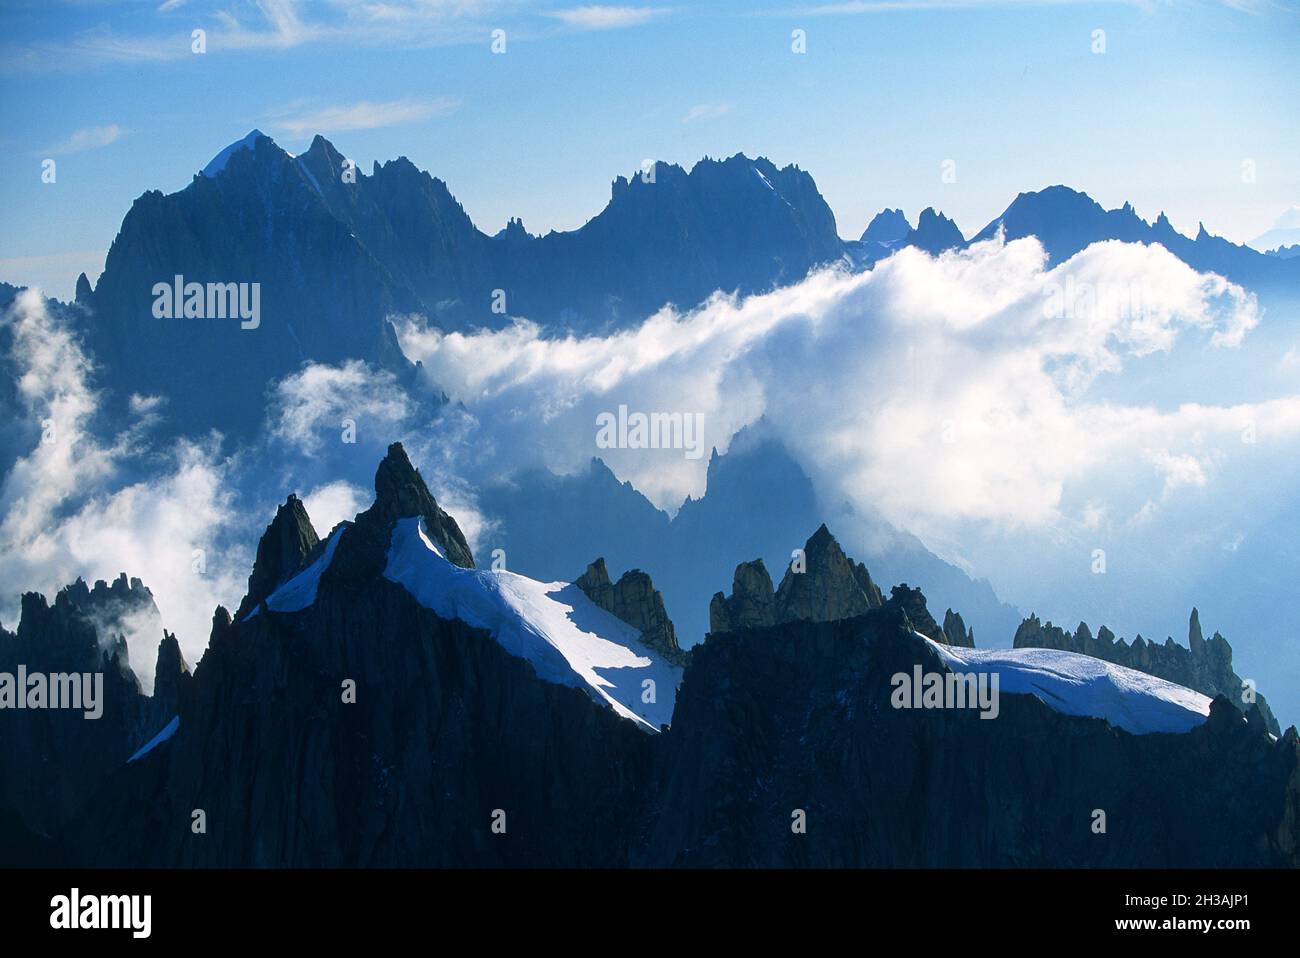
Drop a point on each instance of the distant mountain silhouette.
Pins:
(888, 227)
(258, 218)
(1067, 221)
(935, 233)
(480, 702)
(758, 502)
(336, 253)
(1284, 235)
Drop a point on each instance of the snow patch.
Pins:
(567, 638)
(218, 162)
(311, 177)
(1075, 684)
(300, 591)
(168, 731)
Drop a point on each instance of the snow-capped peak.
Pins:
(1076, 684)
(218, 162)
(567, 638)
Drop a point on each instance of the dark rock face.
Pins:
(84, 293)
(336, 252)
(831, 586)
(955, 631)
(172, 683)
(323, 296)
(759, 503)
(769, 722)
(53, 761)
(400, 492)
(1205, 666)
(911, 602)
(935, 233)
(887, 227)
(288, 773)
(281, 552)
(365, 730)
(636, 601)
(1066, 221)
(751, 604)
(50, 758)
(820, 586)
(798, 718)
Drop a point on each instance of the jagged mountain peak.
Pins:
(281, 552)
(400, 493)
(1059, 209)
(935, 233)
(172, 675)
(750, 605)
(84, 293)
(955, 630)
(1055, 200)
(821, 540)
(829, 586)
(596, 576)
(1205, 666)
(513, 231)
(1067, 221)
(122, 589)
(887, 227)
(912, 602)
(634, 600)
(321, 145)
(823, 585)
(250, 141)
(736, 176)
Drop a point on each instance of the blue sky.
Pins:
(1185, 93)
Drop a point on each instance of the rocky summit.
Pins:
(382, 702)
(636, 601)
(1203, 665)
(821, 584)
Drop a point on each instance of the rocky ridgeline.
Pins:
(282, 551)
(1205, 666)
(955, 631)
(824, 585)
(446, 730)
(53, 760)
(827, 588)
(636, 601)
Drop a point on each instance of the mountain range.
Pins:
(379, 700)
(619, 685)
(337, 252)
(758, 502)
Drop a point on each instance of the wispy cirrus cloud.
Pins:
(892, 6)
(264, 25)
(87, 138)
(367, 115)
(706, 111)
(606, 17)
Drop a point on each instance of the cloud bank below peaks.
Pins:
(935, 391)
(77, 504)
